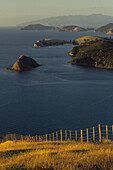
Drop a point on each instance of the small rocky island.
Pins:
(52, 42)
(24, 63)
(97, 54)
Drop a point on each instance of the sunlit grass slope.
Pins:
(56, 155)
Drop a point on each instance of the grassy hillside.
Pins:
(88, 39)
(56, 155)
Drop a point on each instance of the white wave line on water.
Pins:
(41, 83)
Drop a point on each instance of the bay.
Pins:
(57, 95)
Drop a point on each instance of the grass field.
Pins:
(67, 155)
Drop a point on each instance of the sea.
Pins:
(57, 95)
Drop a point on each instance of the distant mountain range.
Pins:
(94, 20)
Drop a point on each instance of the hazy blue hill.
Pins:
(94, 20)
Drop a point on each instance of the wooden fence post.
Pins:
(49, 137)
(94, 134)
(65, 134)
(61, 137)
(36, 139)
(76, 135)
(46, 137)
(70, 134)
(57, 136)
(15, 137)
(11, 136)
(22, 137)
(100, 134)
(81, 136)
(53, 137)
(106, 132)
(87, 136)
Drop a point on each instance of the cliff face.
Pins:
(24, 63)
(98, 54)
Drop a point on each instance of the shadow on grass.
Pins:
(14, 152)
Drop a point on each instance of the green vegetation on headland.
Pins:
(95, 54)
(69, 155)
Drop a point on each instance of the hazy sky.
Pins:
(14, 12)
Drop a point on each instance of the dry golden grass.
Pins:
(88, 39)
(56, 155)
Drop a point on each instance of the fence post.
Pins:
(76, 135)
(61, 137)
(106, 132)
(46, 137)
(53, 137)
(65, 134)
(87, 136)
(36, 139)
(57, 136)
(70, 134)
(94, 134)
(100, 134)
(81, 136)
(22, 137)
(15, 136)
(49, 137)
(39, 138)
(11, 136)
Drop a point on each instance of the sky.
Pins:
(14, 12)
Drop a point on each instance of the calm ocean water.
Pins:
(57, 95)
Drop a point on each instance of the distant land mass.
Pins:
(94, 20)
(73, 28)
(94, 54)
(105, 28)
(69, 28)
(39, 27)
(52, 42)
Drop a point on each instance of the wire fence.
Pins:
(94, 134)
